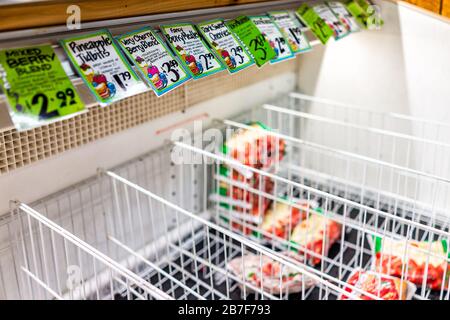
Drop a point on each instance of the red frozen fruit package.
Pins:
(244, 200)
(281, 218)
(421, 262)
(373, 286)
(243, 193)
(255, 147)
(248, 196)
(315, 234)
(259, 272)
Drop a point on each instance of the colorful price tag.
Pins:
(318, 26)
(366, 14)
(228, 48)
(344, 16)
(339, 30)
(292, 30)
(274, 36)
(357, 12)
(364, 4)
(159, 67)
(373, 13)
(187, 43)
(253, 39)
(36, 86)
(102, 67)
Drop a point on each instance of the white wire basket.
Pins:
(166, 231)
(53, 259)
(187, 258)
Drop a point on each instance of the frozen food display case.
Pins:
(235, 186)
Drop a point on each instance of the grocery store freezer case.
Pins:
(151, 228)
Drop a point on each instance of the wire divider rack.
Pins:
(107, 273)
(152, 228)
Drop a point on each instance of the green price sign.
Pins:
(318, 26)
(36, 86)
(357, 12)
(249, 34)
(366, 14)
(363, 4)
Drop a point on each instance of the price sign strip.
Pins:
(274, 36)
(252, 38)
(157, 64)
(316, 24)
(37, 88)
(227, 46)
(292, 30)
(235, 44)
(191, 49)
(102, 66)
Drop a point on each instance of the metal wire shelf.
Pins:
(163, 224)
(406, 141)
(361, 221)
(42, 241)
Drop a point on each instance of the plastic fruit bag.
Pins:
(383, 286)
(270, 275)
(390, 259)
(281, 216)
(254, 147)
(317, 233)
(241, 192)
